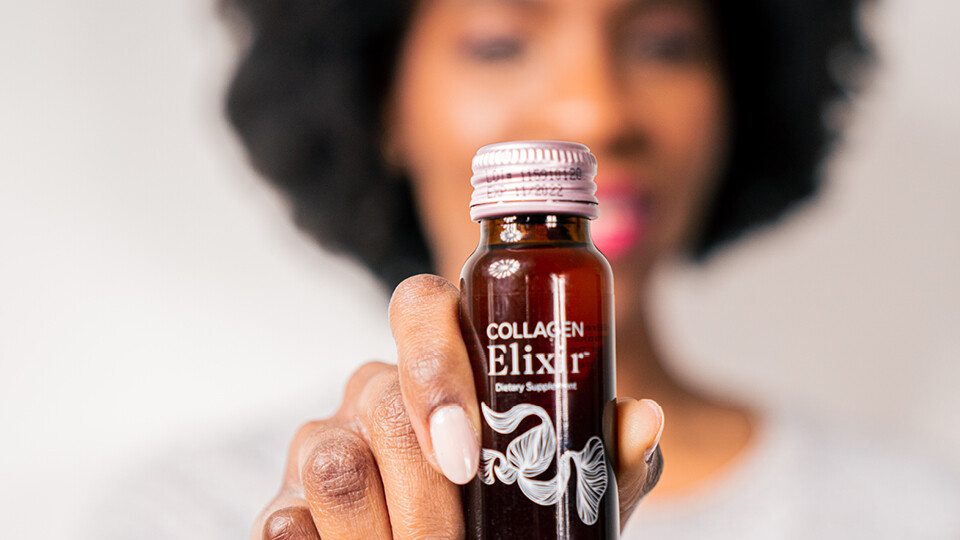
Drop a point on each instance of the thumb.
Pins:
(639, 426)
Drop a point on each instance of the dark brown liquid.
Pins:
(531, 277)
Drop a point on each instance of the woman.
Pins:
(705, 118)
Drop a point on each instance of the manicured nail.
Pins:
(454, 444)
(648, 454)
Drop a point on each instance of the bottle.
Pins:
(537, 316)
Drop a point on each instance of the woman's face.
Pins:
(638, 81)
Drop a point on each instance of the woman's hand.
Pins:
(387, 463)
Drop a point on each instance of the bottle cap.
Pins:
(533, 177)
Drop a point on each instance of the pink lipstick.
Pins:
(624, 219)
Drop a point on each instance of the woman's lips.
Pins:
(623, 222)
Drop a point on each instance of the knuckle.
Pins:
(420, 289)
(385, 413)
(339, 470)
(429, 369)
(304, 431)
(293, 523)
(359, 380)
(363, 374)
(428, 365)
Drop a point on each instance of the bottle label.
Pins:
(505, 356)
(531, 453)
(540, 345)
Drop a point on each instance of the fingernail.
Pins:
(454, 444)
(648, 454)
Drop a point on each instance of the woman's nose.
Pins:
(587, 102)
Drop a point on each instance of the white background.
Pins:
(152, 289)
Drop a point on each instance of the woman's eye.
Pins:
(494, 49)
(670, 47)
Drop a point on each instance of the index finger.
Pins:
(435, 377)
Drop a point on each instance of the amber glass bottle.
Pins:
(537, 316)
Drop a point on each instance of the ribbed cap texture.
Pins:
(533, 177)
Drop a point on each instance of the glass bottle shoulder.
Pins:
(506, 267)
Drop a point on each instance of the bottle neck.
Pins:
(534, 229)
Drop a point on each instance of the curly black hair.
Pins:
(308, 94)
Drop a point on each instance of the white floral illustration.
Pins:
(504, 268)
(531, 453)
(510, 235)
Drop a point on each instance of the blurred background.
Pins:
(153, 290)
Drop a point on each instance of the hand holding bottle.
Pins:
(376, 468)
(531, 335)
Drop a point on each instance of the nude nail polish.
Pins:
(455, 443)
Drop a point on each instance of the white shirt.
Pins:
(801, 479)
